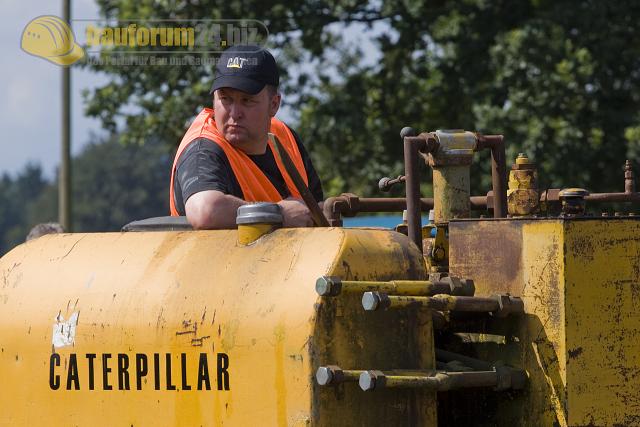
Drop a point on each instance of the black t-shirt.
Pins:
(204, 166)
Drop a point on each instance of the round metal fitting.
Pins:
(573, 202)
(259, 213)
(522, 159)
(573, 193)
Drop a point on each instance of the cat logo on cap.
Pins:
(50, 38)
(236, 62)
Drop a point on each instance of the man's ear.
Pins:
(274, 104)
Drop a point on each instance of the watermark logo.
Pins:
(50, 38)
(140, 42)
(135, 36)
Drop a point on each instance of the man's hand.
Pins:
(295, 213)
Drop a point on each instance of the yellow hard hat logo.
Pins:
(49, 37)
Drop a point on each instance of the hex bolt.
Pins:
(369, 379)
(324, 375)
(333, 375)
(328, 286)
(370, 301)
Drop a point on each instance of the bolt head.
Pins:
(324, 375)
(370, 301)
(367, 381)
(323, 286)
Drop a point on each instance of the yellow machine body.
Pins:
(192, 328)
(580, 338)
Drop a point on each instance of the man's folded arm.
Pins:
(212, 209)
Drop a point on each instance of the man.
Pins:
(226, 160)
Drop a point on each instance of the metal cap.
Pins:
(259, 213)
(522, 159)
(407, 131)
(573, 193)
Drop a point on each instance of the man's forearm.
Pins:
(225, 211)
(212, 209)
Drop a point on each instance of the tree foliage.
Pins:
(558, 78)
(113, 184)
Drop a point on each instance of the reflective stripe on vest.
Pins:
(255, 186)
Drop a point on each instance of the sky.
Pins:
(30, 92)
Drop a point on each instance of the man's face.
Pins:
(244, 119)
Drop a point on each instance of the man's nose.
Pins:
(236, 111)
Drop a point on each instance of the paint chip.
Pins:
(64, 332)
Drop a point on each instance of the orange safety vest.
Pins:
(255, 186)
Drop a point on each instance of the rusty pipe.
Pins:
(498, 171)
(349, 205)
(552, 196)
(629, 179)
(412, 146)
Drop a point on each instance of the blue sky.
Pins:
(30, 100)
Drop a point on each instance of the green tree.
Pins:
(16, 195)
(113, 184)
(559, 79)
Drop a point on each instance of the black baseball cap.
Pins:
(247, 68)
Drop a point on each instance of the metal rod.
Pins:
(613, 197)
(501, 305)
(436, 381)
(334, 286)
(498, 171)
(64, 174)
(412, 146)
(333, 375)
(629, 179)
(337, 207)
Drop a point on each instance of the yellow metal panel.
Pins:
(542, 331)
(603, 321)
(580, 338)
(179, 300)
(523, 258)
